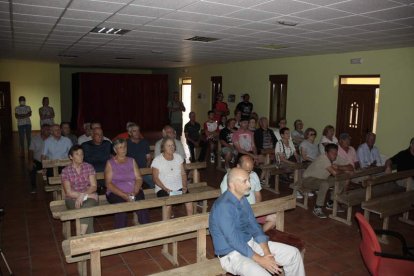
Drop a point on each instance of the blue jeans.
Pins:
(148, 179)
(24, 130)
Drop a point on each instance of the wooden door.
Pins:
(355, 114)
(278, 98)
(5, 111)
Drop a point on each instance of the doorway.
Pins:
(278, 99)
(186, 98)
(358, 98)
(5, 112)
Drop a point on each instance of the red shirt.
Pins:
(220, 107)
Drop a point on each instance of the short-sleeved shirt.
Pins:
(176, 117)
(244, 138)
(79, 182)
(318, 168)
(404, 160)
(97, 155)
(23, 110)
(255, 186)
(46, 111)
(245, 108)
(325, 140)
(211, 126)
(179, 148)
(37, 145)
(138, 151)
(349, 156)
(226, 135)
(57, 149)
(220, 107)
(192, 130)
(312, 150)
(287, 151)
(367, 156)
(169, 172)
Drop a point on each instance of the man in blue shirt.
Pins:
(239, 242)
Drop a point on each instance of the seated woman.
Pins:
(79, 184)
(252, 124)
(297, 134)
(328, 137)
(308, 149)
(169, 174)
(285, 150)
(123, 183)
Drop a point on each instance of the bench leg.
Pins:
(66, 229)
(95, 263)
(405, 218)
(277, 191)
(385, 224)
(366, 215)
(83, 268)
(205, 206)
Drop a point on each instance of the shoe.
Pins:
(212, 158)
(329, 206)
(310, 194)
(299, 195)
(319, 213)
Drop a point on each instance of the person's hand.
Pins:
(79, 201)
(184, 189)
(334, 166)
(93, 196)
(388, 170)
(268, 262)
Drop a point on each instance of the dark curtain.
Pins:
(115, 99)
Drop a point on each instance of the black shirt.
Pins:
(245, 108)
(226, 135)
(404, 160)
(97, 155)
(192, 130)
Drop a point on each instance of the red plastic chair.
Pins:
(378, 262)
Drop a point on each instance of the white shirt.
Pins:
(169, 172)
(325, 140)
(23, 110)
(254, 182)
(281, 148)
(367, 156)
(178, 148)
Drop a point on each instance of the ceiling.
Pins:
(59, 30)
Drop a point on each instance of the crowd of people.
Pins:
(245, 140)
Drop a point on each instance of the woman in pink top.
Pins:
(123, 183)
(79, 184)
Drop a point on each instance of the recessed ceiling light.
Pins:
(201, 39)
(273, 47)
(288, 23)
(111, 31)
(157, 52)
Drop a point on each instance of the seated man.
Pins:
(35, 152)
(169, 132)
(243, 140)
(346, 151)
(66, 131)
(124, 135)
(227, 149)
(239, 242)
(87, 135)
(211, 131)
(97, 152)
(368, 154)
(317, 174)
(403, 161)
(246, 163)
(56, 147)
(194, 139)
(139, 149)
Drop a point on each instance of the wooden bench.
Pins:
(276, 170)
(353, 197)
(94, 246)
(56, 187)
(390, 204)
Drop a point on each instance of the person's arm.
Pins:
(388, 166)
(182, 107)
(78, 197)
(111, 186)
(149, 159)
(258, 196)
(157, 180)
(184, 178)
(362, 157)
(187, 137)
(138, 179)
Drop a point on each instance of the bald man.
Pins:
(247, 163)
(239, 242)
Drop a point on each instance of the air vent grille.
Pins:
(201, 39)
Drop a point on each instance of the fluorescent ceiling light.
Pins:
(111, 31)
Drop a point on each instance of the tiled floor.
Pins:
(31, 238)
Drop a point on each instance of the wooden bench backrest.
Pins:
(388, 178)
(130, 235)
(138, 205)
(360, 173)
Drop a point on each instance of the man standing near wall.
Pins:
(176, 109)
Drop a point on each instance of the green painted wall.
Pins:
(312, 88)
(34, 80)
(66, 83)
